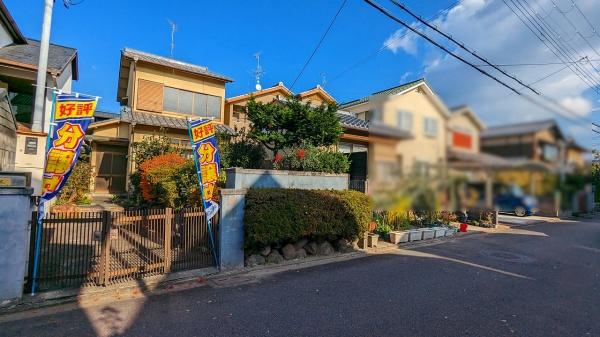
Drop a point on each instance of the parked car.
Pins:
(512, 199)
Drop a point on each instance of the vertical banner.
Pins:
(71, 116)
(206, 155)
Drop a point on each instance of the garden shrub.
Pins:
(77, 187)
(312, 159)
(240, 152)
(168, 180)
(285, 215)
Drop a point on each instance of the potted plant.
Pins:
(439, 231)
(399, 236)
(428, 233)
(415, 235)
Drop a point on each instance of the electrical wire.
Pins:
(319, 43)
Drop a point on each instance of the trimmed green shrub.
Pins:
(285, 215)
(312, 159)
(77, 187)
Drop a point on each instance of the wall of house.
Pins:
(5, 37)
(575, 157)
(462, 124)
(514, 147)
(421, 148)
(180, 80)
(33, 163)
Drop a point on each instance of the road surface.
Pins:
(542, 280)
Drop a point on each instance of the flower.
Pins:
(301, 153)
(278, 158)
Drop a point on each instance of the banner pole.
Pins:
(41, 208)
(199, 176)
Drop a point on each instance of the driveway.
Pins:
(540, 280)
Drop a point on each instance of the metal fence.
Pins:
(101, 248)
(360, 185)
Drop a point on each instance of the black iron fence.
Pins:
(101, 248)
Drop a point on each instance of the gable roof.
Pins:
(350, 121)
(466, 110)
(27, 56)
(318, 90)
(10, 24)
(384, 92)
(129, 55)
(521, 129)
(277, 87)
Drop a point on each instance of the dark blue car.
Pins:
(512, 199)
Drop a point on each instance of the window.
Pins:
(191, 103)
(31, 144)
(430, 127)
(404, 120)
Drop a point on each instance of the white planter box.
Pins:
(415, 235)
(450, 231)
(428, 233)
(399, 236)
(439, 232)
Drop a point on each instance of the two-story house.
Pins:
(157, 94)
(540, 142)
(414, 109)
(356, 141)
(18, 74)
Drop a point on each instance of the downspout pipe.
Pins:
(40, 89)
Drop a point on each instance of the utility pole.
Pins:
(40, 89)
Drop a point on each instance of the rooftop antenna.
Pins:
(173, 29)
(323, 80)
(258, 72)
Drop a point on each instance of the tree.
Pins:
(290, 123)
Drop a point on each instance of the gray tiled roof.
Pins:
(154, 119)
(518, 129)
(168, 62)
(59, 57)
(348, 120)
(385, 92)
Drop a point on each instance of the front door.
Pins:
(111, 169)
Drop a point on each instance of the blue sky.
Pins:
(224, 35)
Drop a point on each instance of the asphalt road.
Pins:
(543, 280)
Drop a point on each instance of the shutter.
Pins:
(149, 96)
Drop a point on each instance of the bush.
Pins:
(240, 152)
(77, 187)
(312, 159)
(285, 215)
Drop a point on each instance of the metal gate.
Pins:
(102, 248)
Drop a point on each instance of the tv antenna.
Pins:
(323, 80)
(173, 30)
(258, 72)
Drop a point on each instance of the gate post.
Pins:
(33, 228)
(105, 251)
(167, 239)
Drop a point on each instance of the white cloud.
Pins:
(577, 104)
(494, 32)
(400, 40)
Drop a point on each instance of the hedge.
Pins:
(285, 215)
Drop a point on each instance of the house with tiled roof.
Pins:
(157, 95)
(18, 73)
(355, 141)
(414, 109)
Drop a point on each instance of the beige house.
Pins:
(18, 74)
(158, 94)
(414, 109)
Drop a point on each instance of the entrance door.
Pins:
(111, 169)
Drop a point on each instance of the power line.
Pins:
(594, 31)
(462, 46)
(547, 41)
(582, 60)
(319, 43)
(527, 97)
(548, 32)
(388, 44)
